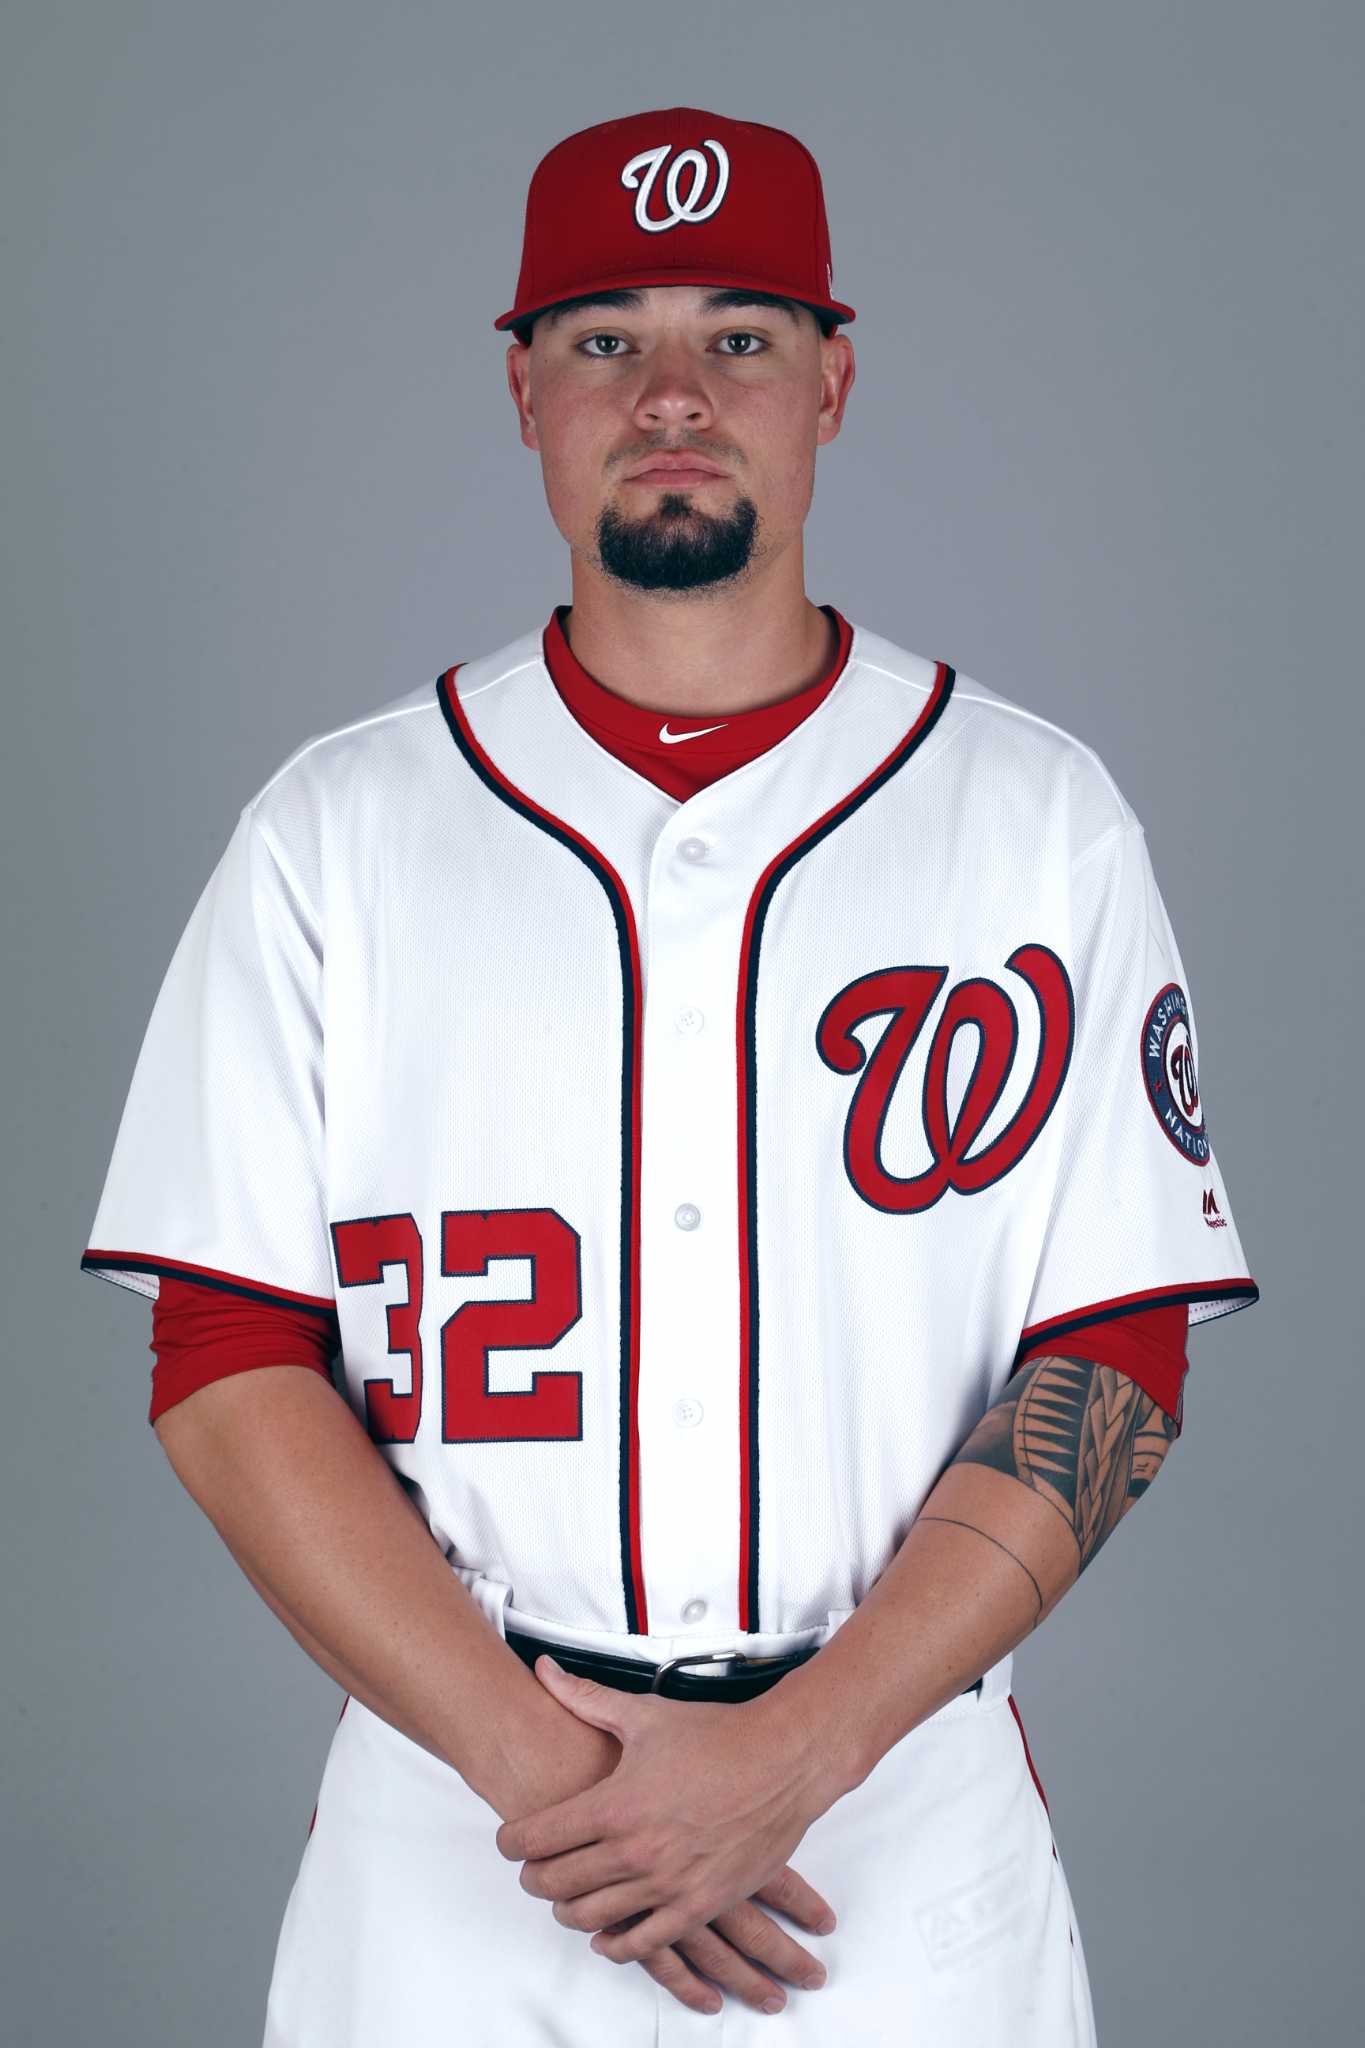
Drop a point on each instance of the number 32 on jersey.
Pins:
(470, 1411)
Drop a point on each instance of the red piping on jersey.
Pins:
(928, 716)
(1028, 1758)
(637, 1613)
(1028, 1753)
(312, 1823)
(208, 1276)
(1244, 1291)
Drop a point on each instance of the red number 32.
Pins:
(472, 1411)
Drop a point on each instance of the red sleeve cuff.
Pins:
(1147, 1344)
(200, 1334)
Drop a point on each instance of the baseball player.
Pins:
(723, 1090)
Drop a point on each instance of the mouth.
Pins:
(681, 475)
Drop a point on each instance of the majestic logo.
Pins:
(906, 995)
(642, 170)
(961, 1924)
(1213, 1215)
(1168, 1068)
(670, 739)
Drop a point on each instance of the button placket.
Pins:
(692, 923)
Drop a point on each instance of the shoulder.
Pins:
(397, 736)
(347, 776)
(1010, 751)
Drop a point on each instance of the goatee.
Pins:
(677, 547)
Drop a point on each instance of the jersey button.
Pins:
(689, 1021)
(687, 1413)
(687, 1215)
(695, 1610)
(692, 849)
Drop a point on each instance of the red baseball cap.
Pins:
(677, 196)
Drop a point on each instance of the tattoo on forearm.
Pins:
(955, 1522)
(1084, 1436)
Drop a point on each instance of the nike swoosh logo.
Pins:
(670, 739)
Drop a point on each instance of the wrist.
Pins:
(801, 1721)
(546, 1756)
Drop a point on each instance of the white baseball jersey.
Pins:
(686, 1177)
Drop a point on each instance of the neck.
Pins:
(686, 652)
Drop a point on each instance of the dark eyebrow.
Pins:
(716, 302)
(629, 301)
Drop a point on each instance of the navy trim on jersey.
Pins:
(777, 872)
(1234, 1294)
(632, 1576)
(103, 1263)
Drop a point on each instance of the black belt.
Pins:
(635, 1674)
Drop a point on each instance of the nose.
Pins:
(673, 391)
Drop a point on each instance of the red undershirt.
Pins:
(723, 742)
(202, 1333)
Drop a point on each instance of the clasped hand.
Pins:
(701, 1811)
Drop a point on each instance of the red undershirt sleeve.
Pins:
(203, 1333)
(1147, 1344)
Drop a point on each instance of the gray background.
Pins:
(262, 474)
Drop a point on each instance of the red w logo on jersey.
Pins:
(906, 995)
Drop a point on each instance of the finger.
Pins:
(603, 1705)
(659, 1929)
(750, 1930)
(790, 1893)
(570, 1824)
(709, 1950)
(579, 1871)
(596, 1911)
(672, 1974)
(667, 1925)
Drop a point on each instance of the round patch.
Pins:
(1168, 1068)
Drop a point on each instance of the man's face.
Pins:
(750, 390)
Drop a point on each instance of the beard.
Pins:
(677, 547)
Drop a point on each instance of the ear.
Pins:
(837, 371)
(519, 384)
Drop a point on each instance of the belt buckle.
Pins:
(708, 1657)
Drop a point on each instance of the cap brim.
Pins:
(642, 280)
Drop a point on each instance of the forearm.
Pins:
(317, 1520)
(1015, 1518)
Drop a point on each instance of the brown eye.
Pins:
(583, 345)
(745, 337)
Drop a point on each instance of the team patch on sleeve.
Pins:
(1168, 1070)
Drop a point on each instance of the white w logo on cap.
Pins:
(650, 162)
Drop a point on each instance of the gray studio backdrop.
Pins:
(262, 474)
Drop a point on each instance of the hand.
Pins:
(739, 1949)
(700, 1813)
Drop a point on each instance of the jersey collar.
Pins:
(737, 735)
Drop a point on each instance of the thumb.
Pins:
(601, 1705)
